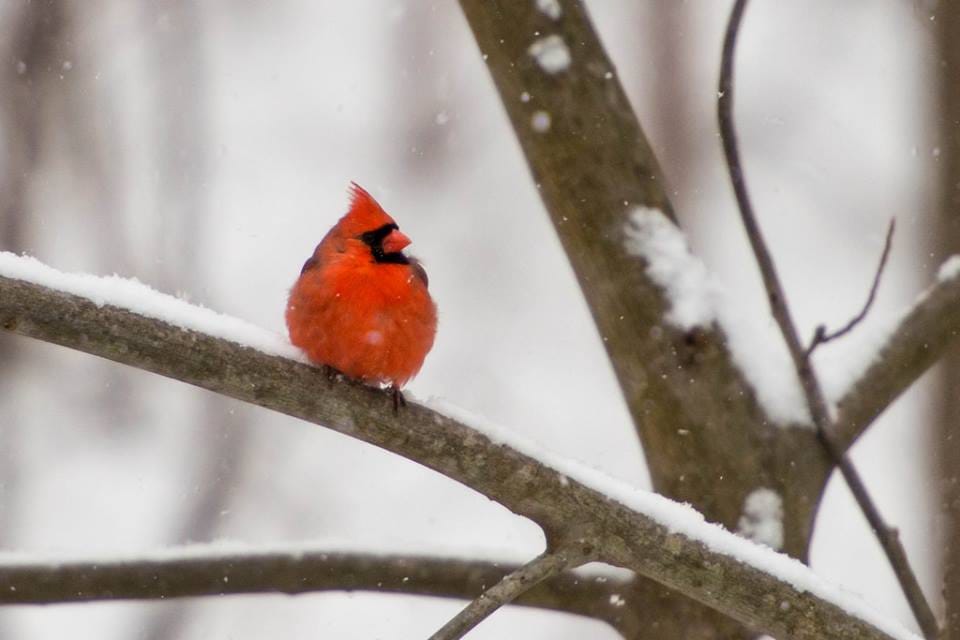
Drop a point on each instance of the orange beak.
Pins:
(395, 242)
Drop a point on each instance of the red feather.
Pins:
(371, 320)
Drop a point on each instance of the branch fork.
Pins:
(512, 586)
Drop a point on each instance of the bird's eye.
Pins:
(375, 238)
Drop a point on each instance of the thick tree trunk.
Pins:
(948, 31)
(706, 439)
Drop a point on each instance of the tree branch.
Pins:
(186, 573)
(511, 587)
(888, 537)
(569, 511)
(593, 167)
(918, 342)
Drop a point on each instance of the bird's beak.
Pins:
(395, 242)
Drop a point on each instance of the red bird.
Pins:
(360, 305)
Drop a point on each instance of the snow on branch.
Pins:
(697, 300)
(130, 294)
(574, 504)
(914, 345)
(904, 350)
(683, 277)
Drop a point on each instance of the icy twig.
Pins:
(887, 536)
(512, 585)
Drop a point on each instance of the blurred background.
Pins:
(205, 148)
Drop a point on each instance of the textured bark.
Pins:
(569, 512)
(949, 467)
(948, 27)
(706, 440)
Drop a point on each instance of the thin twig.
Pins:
(887, 536)
(513, 585)
(821, 336)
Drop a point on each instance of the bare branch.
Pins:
(186, 574)
(821, 336)
(568, 510)
(512, 586)
(888, 537)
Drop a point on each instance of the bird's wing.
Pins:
(311, 263)
(419, 271)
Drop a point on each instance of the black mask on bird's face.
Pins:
(386, 244)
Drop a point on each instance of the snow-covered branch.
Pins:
(595, 170)
(695, 400)
(575, 505)
(915, 345)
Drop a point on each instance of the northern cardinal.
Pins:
(360, 305)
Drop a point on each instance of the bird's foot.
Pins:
(332, 374)
(398, 399)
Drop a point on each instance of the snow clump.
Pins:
(762, 519)
(551, 53)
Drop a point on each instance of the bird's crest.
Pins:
(365, 213)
